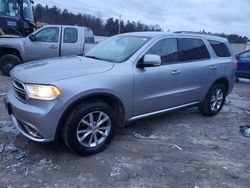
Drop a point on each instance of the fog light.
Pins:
(32, 131)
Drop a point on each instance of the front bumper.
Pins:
(37, 120)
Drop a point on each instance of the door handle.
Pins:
(175, 72)
(213, 67)
(53, 47)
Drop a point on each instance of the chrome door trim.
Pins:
(162, 111)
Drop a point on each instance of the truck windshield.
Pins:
(117, 49)
(12, 8)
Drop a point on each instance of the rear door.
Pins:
(72, 42)
(196, 69)
(43, 44)
(244, 65)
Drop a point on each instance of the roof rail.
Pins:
(194, 32)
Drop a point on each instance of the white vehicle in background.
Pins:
(49, 41)
(248, 45)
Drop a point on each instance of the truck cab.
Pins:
(47, 42)
(56, 41)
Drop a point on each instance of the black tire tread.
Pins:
(18, 61)
(74, 115)
(204, 106)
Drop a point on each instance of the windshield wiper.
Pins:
(92, 57)
(101, 59)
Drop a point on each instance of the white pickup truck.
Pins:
(48, 41)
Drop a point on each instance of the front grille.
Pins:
(19, 90)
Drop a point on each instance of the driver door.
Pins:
(42, 44)
(158, 88)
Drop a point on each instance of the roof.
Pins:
(180, 34)
(76, 26)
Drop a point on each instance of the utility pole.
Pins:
(120, 17)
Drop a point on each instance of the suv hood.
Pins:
(54, 69)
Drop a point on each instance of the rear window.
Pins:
(70, 35)
(192, 49)
(220, 49)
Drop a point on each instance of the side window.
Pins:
(49, 34)
(70, 35)
(220, 49)
(167, 49)
(245, 55)
(192, 49)
(89, 36)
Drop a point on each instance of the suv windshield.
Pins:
(118, 48)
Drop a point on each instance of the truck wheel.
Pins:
(8, 62)
(90, 128)
(214, 101)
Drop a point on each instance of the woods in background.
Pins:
(109, 27)
(54, 15)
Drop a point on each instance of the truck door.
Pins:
(42, 44)
(72, 42)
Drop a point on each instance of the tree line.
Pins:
(232, 38)
(109, 27)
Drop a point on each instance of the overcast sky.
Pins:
(228, 16)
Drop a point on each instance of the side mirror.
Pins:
(150, 60)
(32, 37)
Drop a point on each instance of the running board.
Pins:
(162, 111)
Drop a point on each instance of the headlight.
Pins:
(42, 92)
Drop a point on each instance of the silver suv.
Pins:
(125, 78)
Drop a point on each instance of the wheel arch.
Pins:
(13, 51)
(224, 81)
(108, 98)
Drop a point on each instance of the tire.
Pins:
(79, 125)
(8, 62)
(214, 100)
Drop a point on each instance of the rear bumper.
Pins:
(36, 120)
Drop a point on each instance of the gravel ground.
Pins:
(178, 149)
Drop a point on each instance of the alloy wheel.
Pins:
(216, 100)
(93, 129)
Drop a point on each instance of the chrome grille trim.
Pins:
(19, 89)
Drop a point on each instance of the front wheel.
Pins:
(214, 101)
(8, 62)
(90, 128)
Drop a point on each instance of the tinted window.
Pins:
(49, 34)
(89, 36)
(192, 49)
(167, 49)
(220, 49)
(70, 35)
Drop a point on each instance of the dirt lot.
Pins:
(179, 149)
